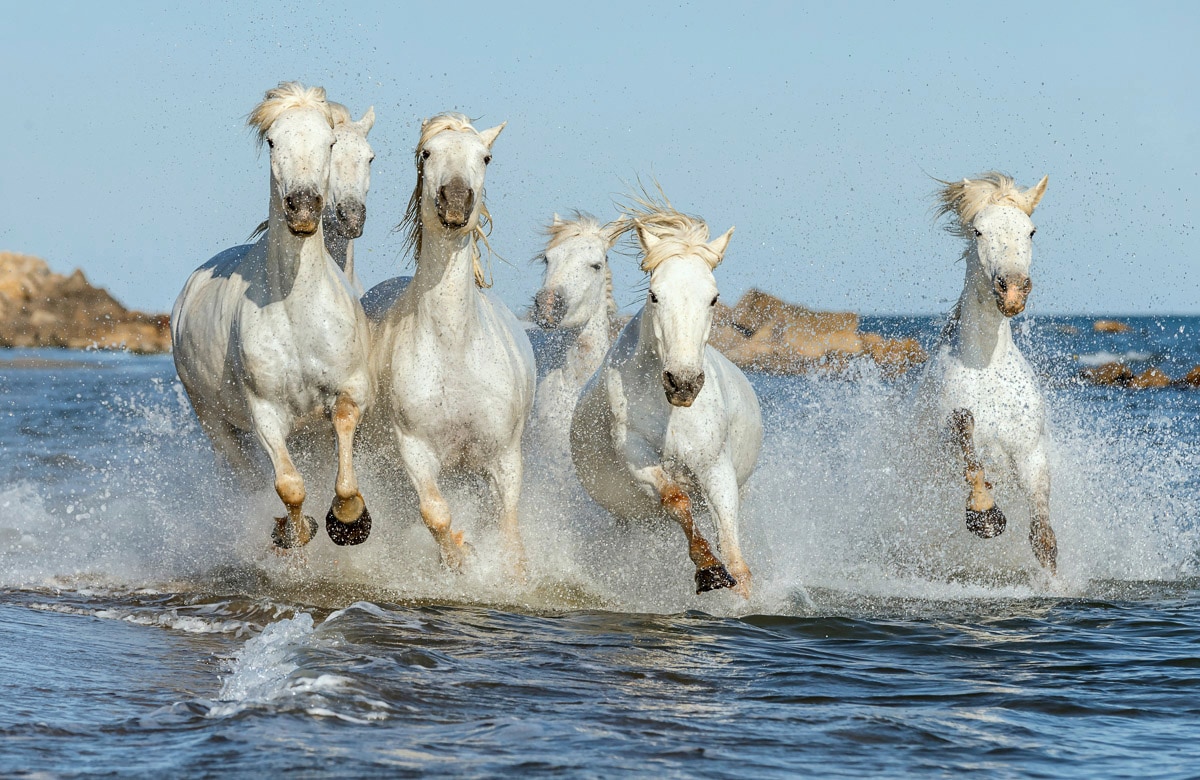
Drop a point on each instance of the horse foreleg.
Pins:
(984, 518)
(423, 469)
(711, 574)
(721, 490)
(506, 473)
(348, 521)
(295, 529)
(1035, 478)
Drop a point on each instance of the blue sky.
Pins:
(812, 128)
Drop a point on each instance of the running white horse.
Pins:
(978, 389)
(644, 434)
(269, 338)
(455, 367)
(575, 307)
(350, 178)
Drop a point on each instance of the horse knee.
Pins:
(290, 487)
(436, 514)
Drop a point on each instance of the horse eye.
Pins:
(596, 266)
(270, 143)
(1032, 232)
(372, 159)
(653, 297)
(977, 233)
(713, 302)
(424, 154)
(487, 159)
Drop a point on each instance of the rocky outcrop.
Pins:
(764, 333)
(40, 308)
(1121, 375)
(1109, 326)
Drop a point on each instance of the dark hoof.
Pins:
(987, 524)
(283, 537)
(713, 578)
(348, 533)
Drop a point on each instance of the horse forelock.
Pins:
(285, 97)
(580, 224)
(412, 224)
(967, 198)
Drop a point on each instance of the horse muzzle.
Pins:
(682, 389)
(351, 217)
(549, 308)
(1011, 291)
(455, 202)
(302, 210)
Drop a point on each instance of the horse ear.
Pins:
(647, 239)
(367, 121)
(557, 220)
(1033, 195)
(489, 136)
(720, 244)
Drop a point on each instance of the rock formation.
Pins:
(40, 308)
(1109, 326)
(764, 333)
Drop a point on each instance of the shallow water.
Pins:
(148, 629)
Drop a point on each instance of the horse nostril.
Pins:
(669, 380)
(1001, 284)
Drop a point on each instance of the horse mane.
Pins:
(968, 197)
(581, 223)
(678, 233)
(411, 223)
(285, 97)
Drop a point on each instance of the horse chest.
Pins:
(1004, 398)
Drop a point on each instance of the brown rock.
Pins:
(1151, 378)
(1109, 326)
(1191, 378)
(1108, 374)
(894, 356)
(39, 308)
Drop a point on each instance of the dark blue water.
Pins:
(148, 630)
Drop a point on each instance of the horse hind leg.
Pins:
(348, 521)
(984, 518)
(711, 574)
(423, 469)
(506, 474)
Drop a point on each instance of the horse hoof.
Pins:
(285, 539)
(713, 578)
(987, 524)
(344, 534)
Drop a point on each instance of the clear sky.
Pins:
(814, 128)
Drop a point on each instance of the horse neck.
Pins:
(291, 260)
(645, 361)
(341, 250)
(983, 335)
(444, 282)
(588, 346)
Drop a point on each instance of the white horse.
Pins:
(455, 367)
(978, 389)
(644, 434)
(268, 338)
(575, 307)
(349, 180)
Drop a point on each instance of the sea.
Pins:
(148, 629)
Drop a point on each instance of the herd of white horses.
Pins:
(276, 336)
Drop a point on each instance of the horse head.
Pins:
(994, 214)
(346, 212)
(577, 280)
(682, 297)
(297, 126)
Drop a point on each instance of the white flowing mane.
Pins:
(286, 96)
(678, 233)
(968, 197)
(340, 114)
(455, 122)
(580, 224)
